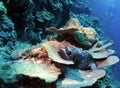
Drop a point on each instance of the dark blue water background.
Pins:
(108, 12)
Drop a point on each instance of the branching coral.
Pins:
(44, 15)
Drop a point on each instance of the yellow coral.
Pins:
(89, 32)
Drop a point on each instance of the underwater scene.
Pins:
(59, 44)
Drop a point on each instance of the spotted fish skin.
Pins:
(81, 58)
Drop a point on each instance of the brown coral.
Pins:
(82, 35)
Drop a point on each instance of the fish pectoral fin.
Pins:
(93, 66)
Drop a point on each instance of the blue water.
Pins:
(108, 12)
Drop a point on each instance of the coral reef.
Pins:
(54, 54)
(25, 22)
(3, 8)
(47, 72)
(89, 79)
(44, 15)
(35, 16)
(7, 32)
(48, 64)
(82, 35)
(38, 58)
(38, 15)
(66, 82)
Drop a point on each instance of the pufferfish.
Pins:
(82, 59)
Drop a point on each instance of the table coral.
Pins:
(89, 76)
(47, 72)
(82, 35)
(53, 47)
(35, 63)
(41, 61)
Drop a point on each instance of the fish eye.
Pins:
(68, 52)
